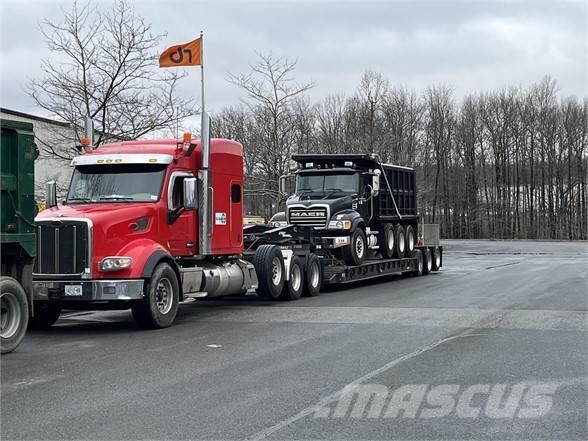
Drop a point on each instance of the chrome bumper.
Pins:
(91, 290)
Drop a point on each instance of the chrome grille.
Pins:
(62, 247)
(308, 216)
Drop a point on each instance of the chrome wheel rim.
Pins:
(410, 241)
(437, 260)
(314, 275)
(420, 265)
(164, 295)
(359, 247)
(401, 243)
(10, 317)
(276, 271)
(429, 263)
(296, 277)
(390, 240)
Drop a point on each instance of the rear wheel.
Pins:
(15, 314)
(410, 240)
(427, 261)
(295, 285)
(45, 314)
(436, 252)
(314, 276)
(271, 275)
(387, 241)
(419, 263)
(160, 306)
(354, 254)
(400, 241)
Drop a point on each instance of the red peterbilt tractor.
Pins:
(148, 224)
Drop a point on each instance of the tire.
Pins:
(436, 252)
(427, 261)
(45, 314)
(410, 240)
(295, 284)
(387, 241)
(355, 253)
(159, 307)
(269, 266)
(15, 314)
(313, 277)
(419, 269)
(400, 248)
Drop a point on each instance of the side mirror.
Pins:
(376, 184)
(283, 184)
(190, 199)
(51, 194)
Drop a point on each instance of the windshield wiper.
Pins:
(332, 191)
(79, 199)
(116, 198)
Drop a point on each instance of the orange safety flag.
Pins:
(188, 54)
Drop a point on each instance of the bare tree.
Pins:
(271, 96)
(103, 64)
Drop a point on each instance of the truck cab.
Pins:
(132, 208)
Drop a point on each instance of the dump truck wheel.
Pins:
(410, 240)
(427, 261)
(160, 306)
(295, 284)
(271, 274)
(45, 314)
(313, 277)
(387, 241)
(419, 269)
(355, 253)
(15, 314)
(436, 252)
(400, 241)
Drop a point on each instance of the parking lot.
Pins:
(498, 315)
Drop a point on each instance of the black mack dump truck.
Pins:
(352, 216)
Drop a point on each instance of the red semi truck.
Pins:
(148, 224)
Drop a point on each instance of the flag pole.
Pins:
(202, 68)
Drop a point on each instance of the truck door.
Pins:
(181, 223)
(366, 199)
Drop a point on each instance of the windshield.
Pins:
(100, 183)
(327, 183)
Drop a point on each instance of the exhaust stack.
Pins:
(205, 199)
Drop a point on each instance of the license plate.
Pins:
(73, 290)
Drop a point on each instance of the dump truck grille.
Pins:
(308, 216)
(62, 247)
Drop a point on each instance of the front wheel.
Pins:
(160, 306)
(354, 254)
(15, 314)
(45, 314)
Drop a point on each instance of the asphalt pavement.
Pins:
(494, 346)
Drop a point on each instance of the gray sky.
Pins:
(468, 45)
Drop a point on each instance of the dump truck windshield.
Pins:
(327, 183)
(103, 183)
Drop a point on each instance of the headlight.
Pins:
(115, 263)
(340, 225)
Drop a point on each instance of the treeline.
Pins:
(503, 164)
